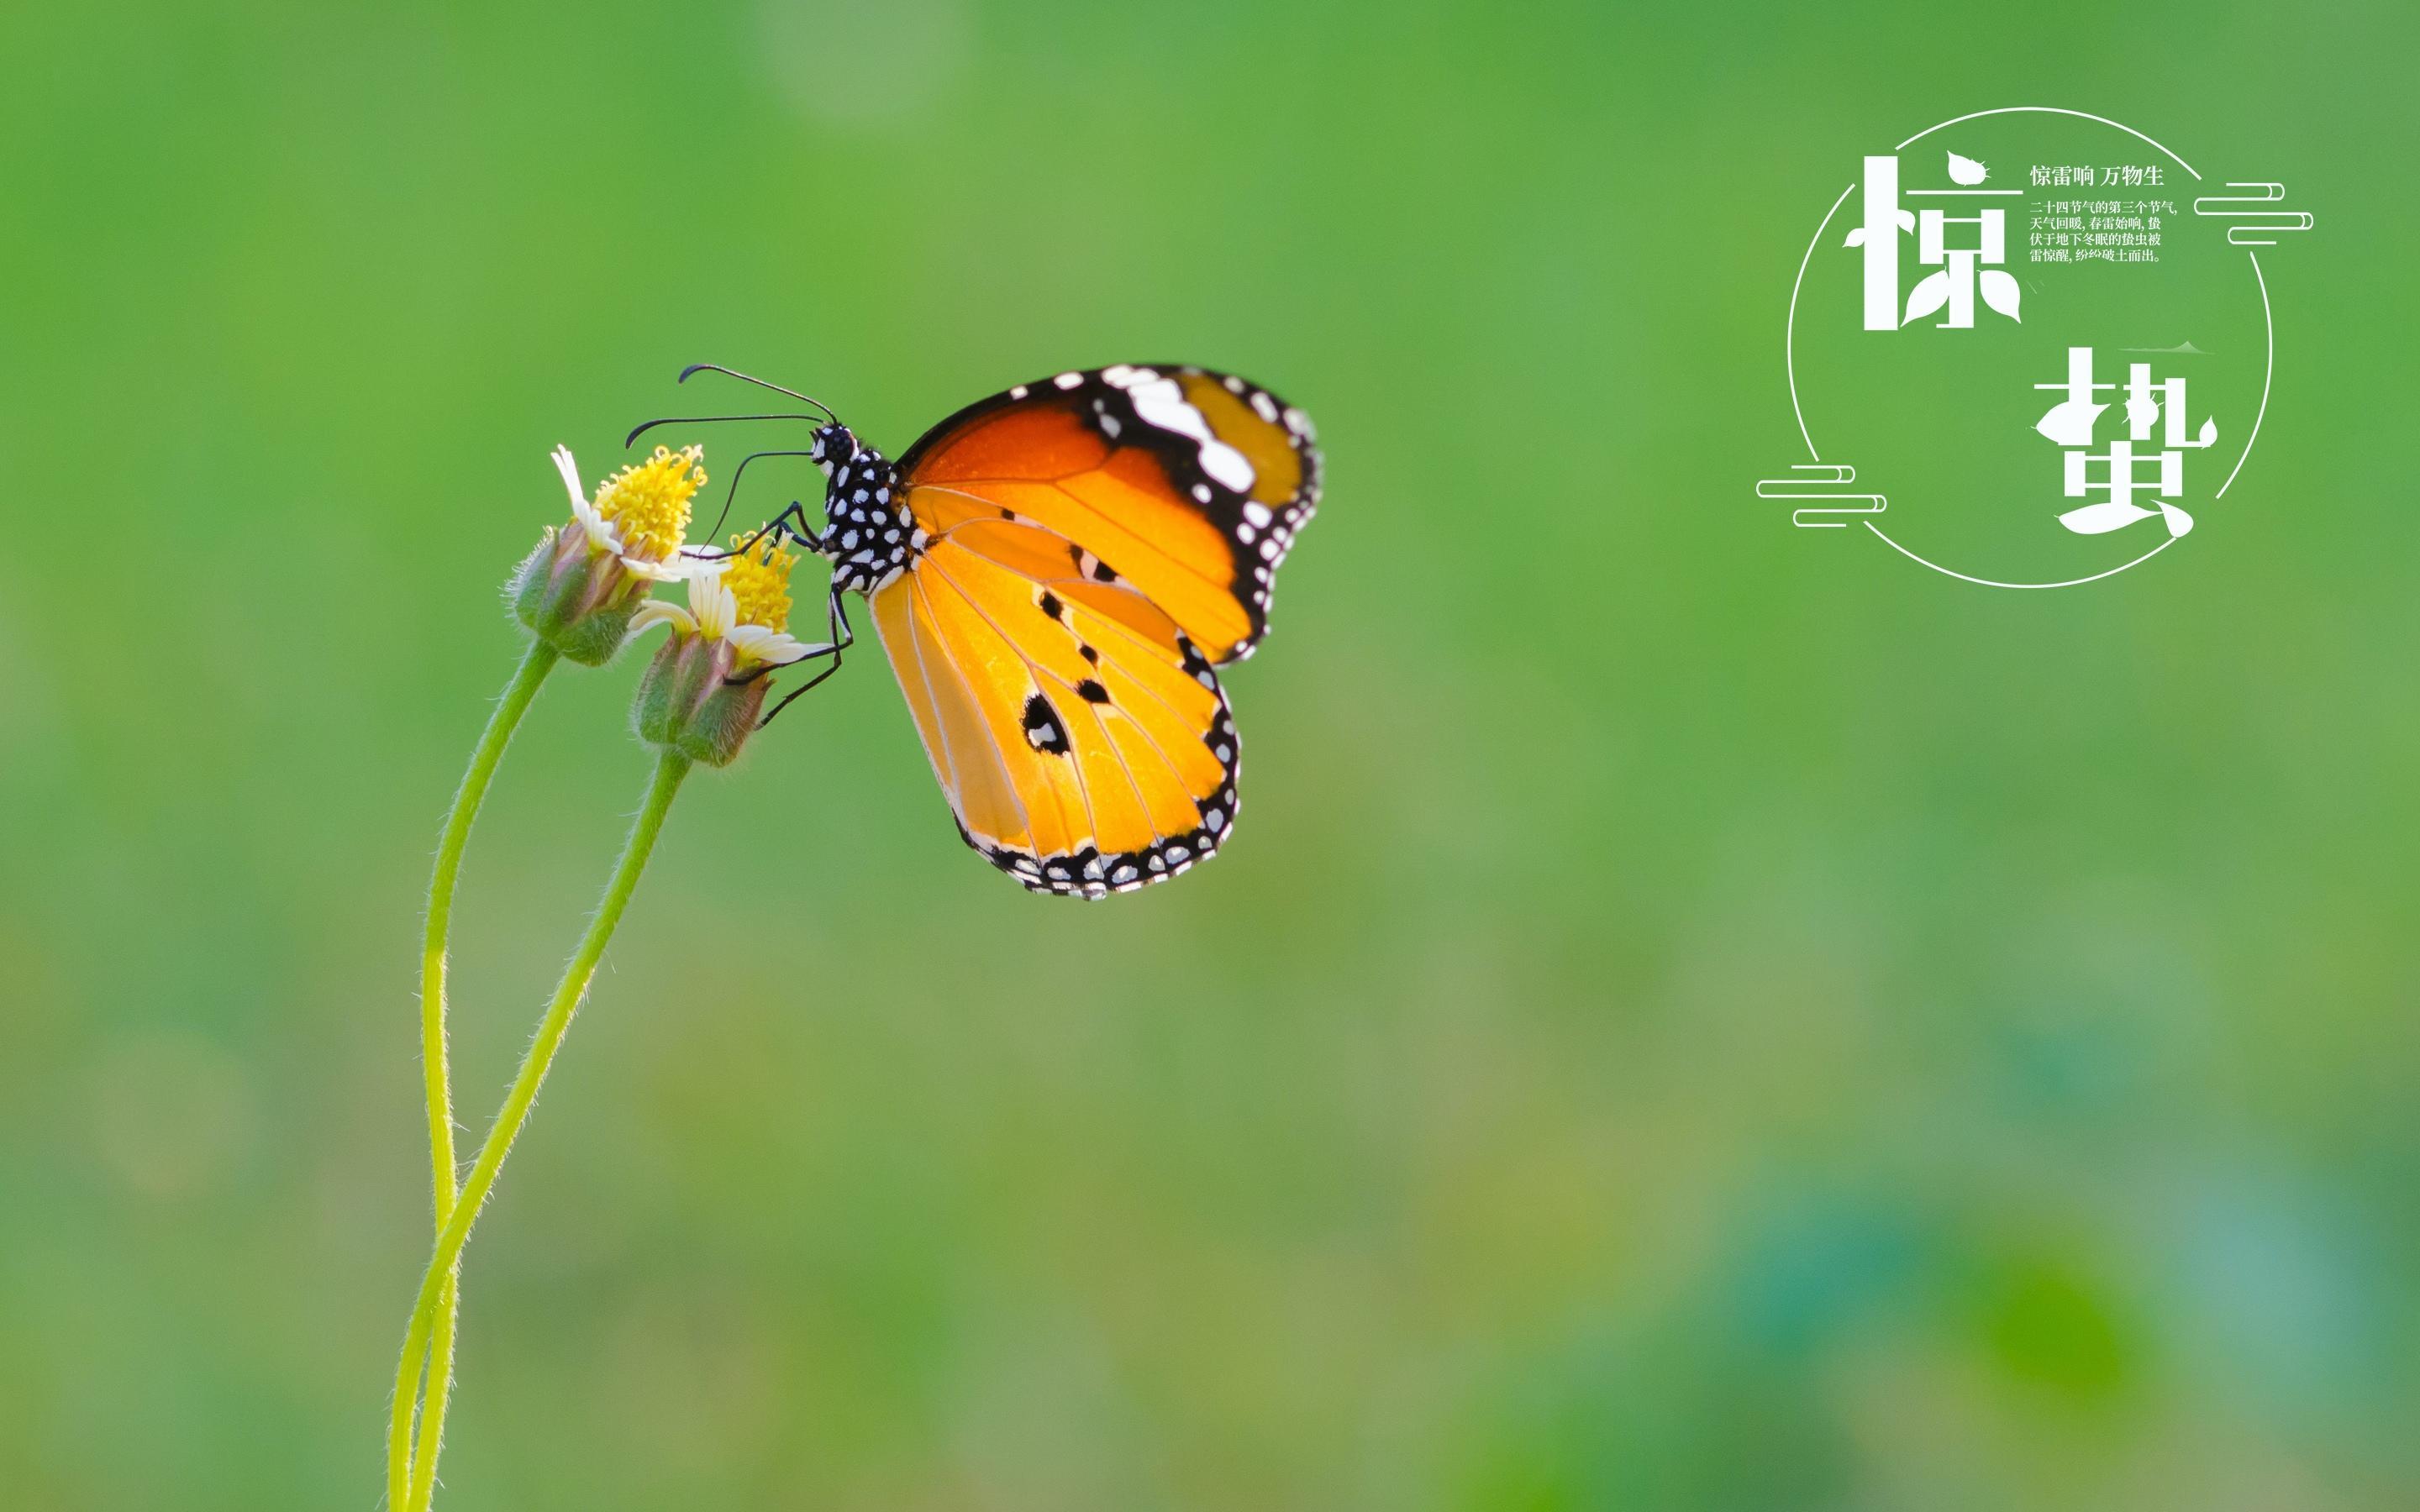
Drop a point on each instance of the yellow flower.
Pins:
(705, 690)
(759, 580)
(580, 589)
(639, 514)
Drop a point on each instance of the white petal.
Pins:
(601, 536)
(657, 611)
(570, 470)
(660, 572)
(774, 647)
(716, 609)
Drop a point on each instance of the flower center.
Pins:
(649, 502)
(759, 580)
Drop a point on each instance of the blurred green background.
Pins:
(1696, 1014)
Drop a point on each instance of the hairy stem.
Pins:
(412, 1484)
(485, 757)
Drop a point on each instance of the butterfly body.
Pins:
(1056, 573)
(868, 536)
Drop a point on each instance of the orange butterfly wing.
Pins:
(1093, 544)
(1189, 484)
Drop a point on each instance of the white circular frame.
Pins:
(1790, 346)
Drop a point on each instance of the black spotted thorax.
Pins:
(868, 536)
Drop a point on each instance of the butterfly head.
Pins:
(833, 446)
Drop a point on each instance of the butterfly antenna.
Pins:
(711, 419)
(730, 372)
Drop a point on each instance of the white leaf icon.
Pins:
(2210, 431)
(1928, 294)
(1856, 237)
(2070, 422)
(2099, 519)
(2179, 521)
(2000, 292)
(1966, 170)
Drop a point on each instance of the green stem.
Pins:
(519, 694)
(437, 1389)
(417, 1483)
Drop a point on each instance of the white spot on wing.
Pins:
(1226, 464)
(1162, 403)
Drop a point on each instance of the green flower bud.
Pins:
(578, 601)
(688, 703)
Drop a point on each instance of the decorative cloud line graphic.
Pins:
(2252, 225)
(1815, 486)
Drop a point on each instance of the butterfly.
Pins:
(1056, 574)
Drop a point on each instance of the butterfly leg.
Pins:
(793, 523)
(843, 636)
(733, 492)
